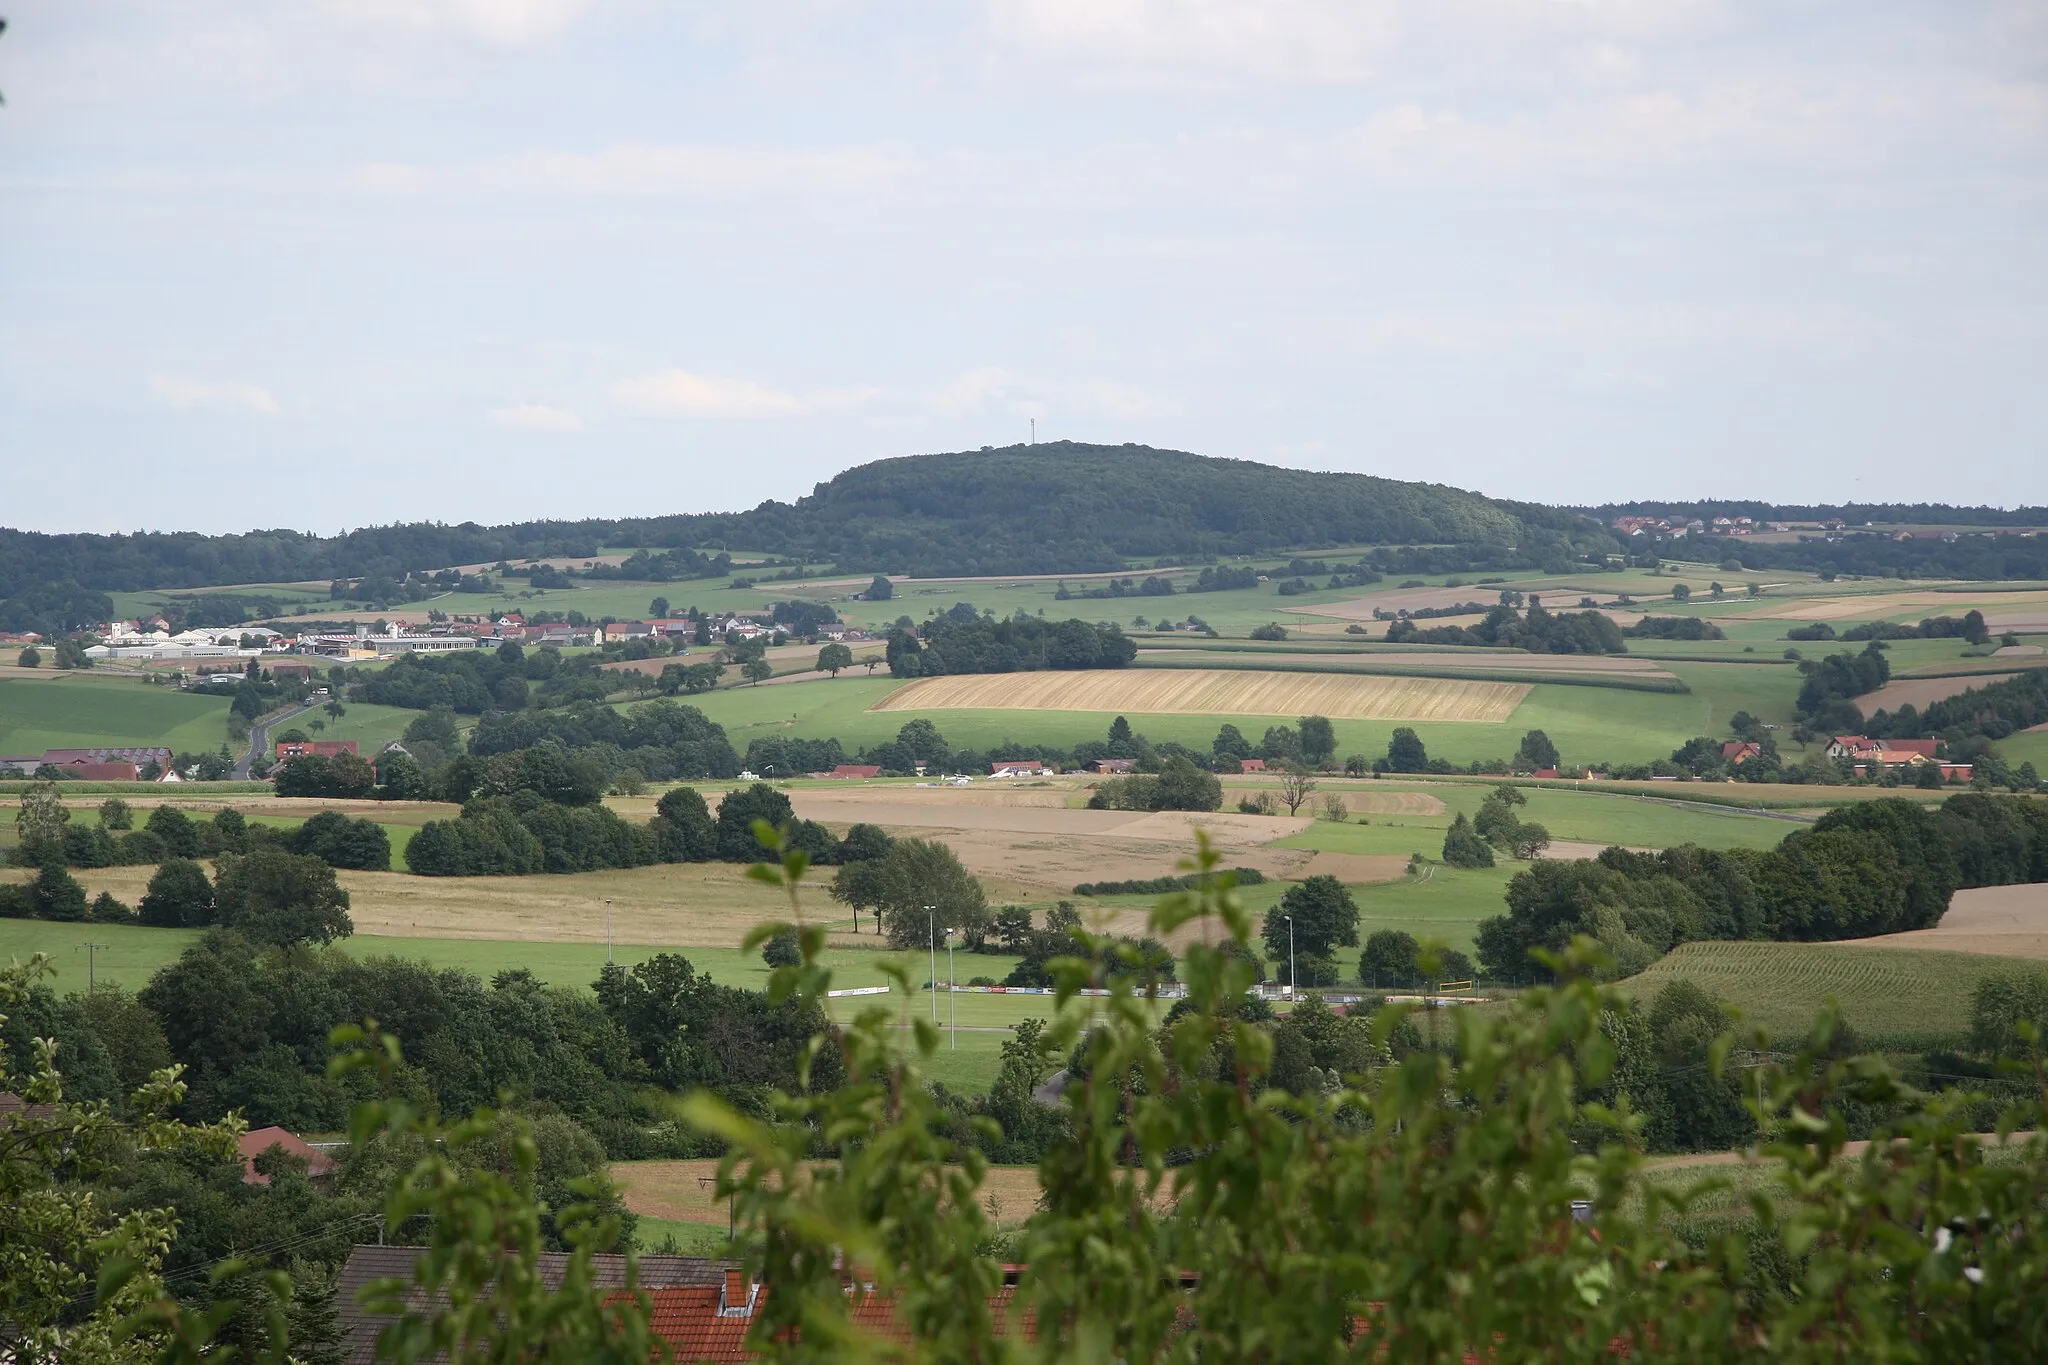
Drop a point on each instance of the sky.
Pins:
(346, 262)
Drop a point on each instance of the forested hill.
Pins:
(1053, 508)
(1065, 507)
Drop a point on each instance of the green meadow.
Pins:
(1587, 723)
(132, 952)
(371, 727)
(80, 709)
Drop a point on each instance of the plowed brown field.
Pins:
(1920, 693)
(1216, 692)
(2004, 921)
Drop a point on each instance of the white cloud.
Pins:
(537, 417)
(708, 395)
(233, 396)
(503, 23)
(1739, 325)
(1203, 42)
(655, 171)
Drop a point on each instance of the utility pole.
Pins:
(607, 932)
(1293, 983)
(931, 932)
(952, 992)
(91, 977)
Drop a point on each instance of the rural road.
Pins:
(259, 739)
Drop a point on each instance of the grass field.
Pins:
(78, 710)
(371, 727)
(1894, 998)
(1210, 692)
(1586, 723)
(132, 952)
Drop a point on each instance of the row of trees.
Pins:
(962, 640)
(1538, 630)
(47, 835)
(1874, 867)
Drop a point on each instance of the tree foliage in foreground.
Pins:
(1416, 1204)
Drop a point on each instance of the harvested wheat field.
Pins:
(1386, 661)
(1050, 847)
(682, 1190)
(2002, 921)
(1920, 693)
(685, 905)
(2021, 605)
(1216, 692)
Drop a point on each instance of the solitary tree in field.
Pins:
(1325, 917)
(1318, 740)
(1297, 784)
(1536, 752)
(881, 589)
(658, 608)
(757, 671)
(1680, 592)
(30, 658)
(833, 657)
(1405, 752)
(335, 709)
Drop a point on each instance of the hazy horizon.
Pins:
(345, 264)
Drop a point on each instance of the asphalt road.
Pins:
(259, 739)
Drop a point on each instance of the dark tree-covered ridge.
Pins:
(1059, 507)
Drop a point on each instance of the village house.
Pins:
(1019, 767)
(314, 748)
(1740, 751)
(855, 771)
(1117, 766)
(258, 1141)
(1253, 765)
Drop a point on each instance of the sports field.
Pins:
(1215, 692)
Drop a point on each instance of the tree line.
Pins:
(962, 640)
(1875, 867)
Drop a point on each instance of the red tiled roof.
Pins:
(359, 1328)
(710, 1322)
(119, 771)
(261, 1140)
(1254, 765)
(315, 748)
(856, 770)
(1019, 765)
(1922, 747)
(12, 1104)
